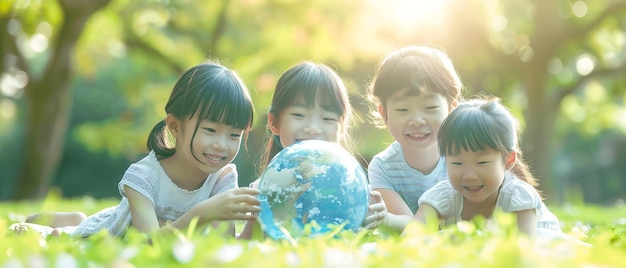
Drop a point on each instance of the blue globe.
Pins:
(312, 183)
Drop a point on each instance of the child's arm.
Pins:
(142, 212)
(527, 221)
(426, 214)
(234, 204)
(399, 214)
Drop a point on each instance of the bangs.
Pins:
(469, 131)
(226, 102)
(405, 75)
(323, 94)
(416, 73)
(311, 85)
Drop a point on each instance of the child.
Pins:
(310, 102)
(479, 140)
(208, 113)
(412, 93)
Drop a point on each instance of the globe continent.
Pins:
(312, 181)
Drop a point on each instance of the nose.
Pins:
(417, 119)
(469, 174)
(220, 144)
(312, 127)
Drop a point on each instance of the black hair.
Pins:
(210, 91)
(315, 84)
(482, 123)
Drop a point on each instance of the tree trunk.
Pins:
(48, 104)
(540, 120)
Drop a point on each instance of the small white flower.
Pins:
(292, 259)
(65, 260)
(229, 253)
(13, 263)
(37, 261)
(369, 248)
(337, 258)
(128, 253)
(184, 251)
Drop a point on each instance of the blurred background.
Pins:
(82, 82)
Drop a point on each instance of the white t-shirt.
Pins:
(389, 170)
(170, 202)
(515, 195)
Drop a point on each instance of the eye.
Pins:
(431, 107)
(235, 135)
(401, 109)
(483, 162)
(455, 163)
(208, 129)
(297, 115)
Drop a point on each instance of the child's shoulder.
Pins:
(517, 194)
(393, 150)
(515, 185)
(228, 170)
(147, 165)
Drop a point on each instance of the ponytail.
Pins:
(521, 170)
(157, 141)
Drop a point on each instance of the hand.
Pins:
(377, 211)
(234, 204)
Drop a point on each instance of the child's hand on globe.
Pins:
(377, 211)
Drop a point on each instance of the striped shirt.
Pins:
(389, 170)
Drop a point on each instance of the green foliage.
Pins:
(468, 244)
(131, 52)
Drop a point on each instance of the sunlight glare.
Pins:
(44, 28)
(38, 43)
(579, 8)
(499, 23)
(11, 85)
(406, 14)
(585, 64)
(620, 119)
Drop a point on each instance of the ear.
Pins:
(452, 105)
(511, 159)
(382, 111)
(173, 125)
(273, 124)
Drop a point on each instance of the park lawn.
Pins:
(463, 245)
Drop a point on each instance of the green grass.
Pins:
(463, 245)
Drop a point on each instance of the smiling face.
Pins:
(303, 122)
(414, 119)
(477, 175)
(206, 149)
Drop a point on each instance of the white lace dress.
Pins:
(170, 202)
(515, 195)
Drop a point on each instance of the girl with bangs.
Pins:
(188, 172)
(310, 102)
(479, 140)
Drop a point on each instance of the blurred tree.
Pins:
(47, 93)
(550, 51)
(547, 60)
(144, 36)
